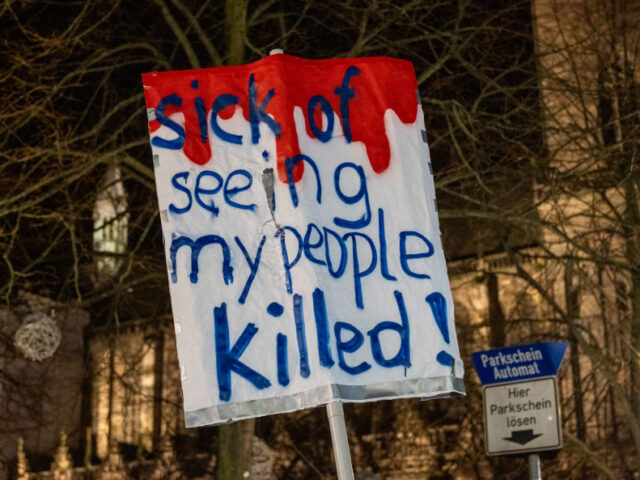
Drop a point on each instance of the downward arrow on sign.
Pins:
(522, 436)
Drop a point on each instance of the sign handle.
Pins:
(534, 467)
(340, 440)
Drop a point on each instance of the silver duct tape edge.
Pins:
(425, 388)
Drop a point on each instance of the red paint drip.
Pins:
(382, 83)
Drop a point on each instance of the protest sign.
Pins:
(301, 235)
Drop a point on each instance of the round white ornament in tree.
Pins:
(38, 337)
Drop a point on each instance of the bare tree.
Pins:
(74, 111)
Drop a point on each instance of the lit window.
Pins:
(110, 221)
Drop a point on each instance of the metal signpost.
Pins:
(520, 399)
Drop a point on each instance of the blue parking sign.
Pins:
(519, 362)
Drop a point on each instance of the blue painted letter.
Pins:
(176, 143)
(182, 188)
(253, 266)
(345, 92)
(403, 357)
(227, 359)
(230, 192)
(362, 192)
(322, 135)
(288, 265)
(322, 328)
(196, 246)
(289, 163)
(281, 355)
(357, 273)
(327, 250)
(257, 113)
(308, 245)
(198, 190)
(220, 103)
(405, 257)
(300, 335)
(349, 346)
(384, 266)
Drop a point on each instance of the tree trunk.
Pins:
(235, 442)
(633, 253)
(236, 22)
(496, 315)
(158, 388)
(501, 466)
(235, 439)
(573, 313)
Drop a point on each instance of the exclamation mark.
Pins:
(438, 305)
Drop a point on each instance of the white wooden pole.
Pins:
(340, 440)
(534, 467)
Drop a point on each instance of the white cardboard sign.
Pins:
(301, 234)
